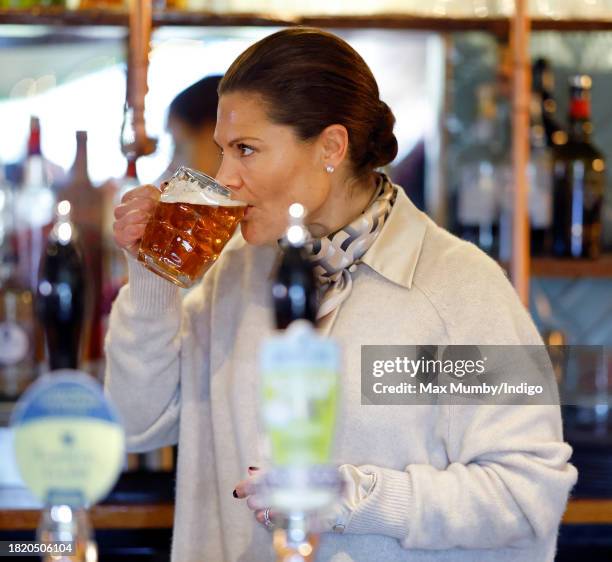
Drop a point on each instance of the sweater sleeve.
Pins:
(506, 484)
(143, 347)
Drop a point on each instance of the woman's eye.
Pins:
(245, 150)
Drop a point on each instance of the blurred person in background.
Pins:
(192, 117)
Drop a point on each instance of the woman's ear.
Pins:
(334, 141)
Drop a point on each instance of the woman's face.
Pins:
(267, 166)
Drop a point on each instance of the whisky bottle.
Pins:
(481, 169)
(544, 87)
(579, 179)
(540, 180)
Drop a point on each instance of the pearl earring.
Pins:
(329, 169)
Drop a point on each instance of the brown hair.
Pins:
(310, 79)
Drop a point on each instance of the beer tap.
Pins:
(64, 420)
(299, 379)
(134, 139)
(294, 291)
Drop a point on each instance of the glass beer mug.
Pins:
(194, 219)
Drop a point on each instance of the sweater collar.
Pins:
(395, 252)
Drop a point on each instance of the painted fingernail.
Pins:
(235, 493)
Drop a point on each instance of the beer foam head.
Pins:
(187, 190)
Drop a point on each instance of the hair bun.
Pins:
(382, 146)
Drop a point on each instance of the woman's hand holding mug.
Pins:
(132, 214)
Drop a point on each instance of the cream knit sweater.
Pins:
(441, 483)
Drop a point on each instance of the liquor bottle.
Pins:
(294, 291)
(60, 302)
(480, 166)
(579, 179)
(130, 180)
(114, 262)
(54, 175)
(18, 364)
(543, 80)
(540, 180)
(87, 207)
(33, 210)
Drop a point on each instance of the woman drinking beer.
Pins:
(300, 120)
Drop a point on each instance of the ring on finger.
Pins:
(267, 521)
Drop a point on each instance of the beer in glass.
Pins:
(193, 220)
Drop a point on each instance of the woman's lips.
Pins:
(247, 210)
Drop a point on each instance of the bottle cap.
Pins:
(34, 140)
(581, 81)
(580, 97)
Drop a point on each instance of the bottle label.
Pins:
(69, 445)
(14, 343)
(299, 379)
(478, 194)
(594, 186)
(540, 190)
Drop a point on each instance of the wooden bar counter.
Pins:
(155, 516)
(160, 516)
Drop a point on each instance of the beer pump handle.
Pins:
(60, 300)
(294, 290)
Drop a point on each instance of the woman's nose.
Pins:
(227, 175)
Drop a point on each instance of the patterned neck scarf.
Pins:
(337, 255)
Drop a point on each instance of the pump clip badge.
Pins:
(69, 443)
